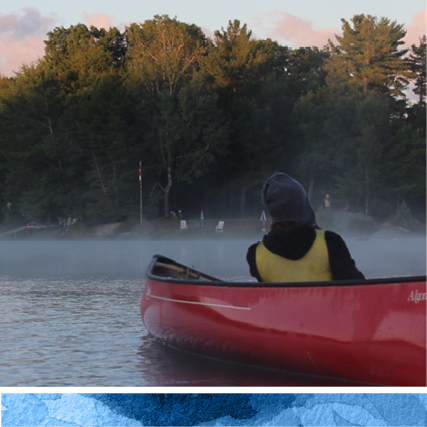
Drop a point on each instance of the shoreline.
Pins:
(347, 224)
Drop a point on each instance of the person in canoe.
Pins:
(296, 249)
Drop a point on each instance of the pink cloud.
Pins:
(99, 20)
(22, 36)
(21, 39)
(416, 28)
(208, 33)
(292, 30)
(15, 53)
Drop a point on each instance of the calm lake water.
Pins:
(69, 311)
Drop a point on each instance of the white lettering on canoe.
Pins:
(149, 294)
(417, 296)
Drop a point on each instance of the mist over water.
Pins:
(220, 257)
(69, 310)
(389, 256)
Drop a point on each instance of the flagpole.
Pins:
(140, 191)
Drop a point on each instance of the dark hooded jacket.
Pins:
(287, 202)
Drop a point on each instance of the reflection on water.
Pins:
(69, 312)
(63, 331)
(176, 368)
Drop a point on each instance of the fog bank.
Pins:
(224, 258)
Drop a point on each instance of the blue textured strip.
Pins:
(246, 409)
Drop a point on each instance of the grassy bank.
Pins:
(341, 221)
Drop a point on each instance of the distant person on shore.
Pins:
(327, 201)
(296, 249)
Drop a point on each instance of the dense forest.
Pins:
(210, 120)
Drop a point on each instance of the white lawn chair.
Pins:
(220, 227)
(183, 225)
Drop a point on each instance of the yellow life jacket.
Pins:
(312, 267)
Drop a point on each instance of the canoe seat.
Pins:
(175, 272)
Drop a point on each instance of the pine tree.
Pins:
(368, 54)
(417, 61)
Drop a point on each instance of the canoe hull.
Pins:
(371, 333)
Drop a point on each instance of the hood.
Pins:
(286, 200)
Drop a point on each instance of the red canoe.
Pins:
(371, 331)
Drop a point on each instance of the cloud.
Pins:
(21, 39)
(99, 20)
(292, 30)
(15, 53)
(22, 36)
(208, 33)
(416, 28)
(29, 24)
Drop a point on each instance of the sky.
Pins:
(24, 24)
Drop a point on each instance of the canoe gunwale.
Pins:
(218, 282)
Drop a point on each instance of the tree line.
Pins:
(210, 120)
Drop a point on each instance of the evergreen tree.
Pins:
(404, 164)
(417, 62)
(344, 133)
(37, 161)
(247, 75)
(88, 65)
(235, 60)
(368, 54)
